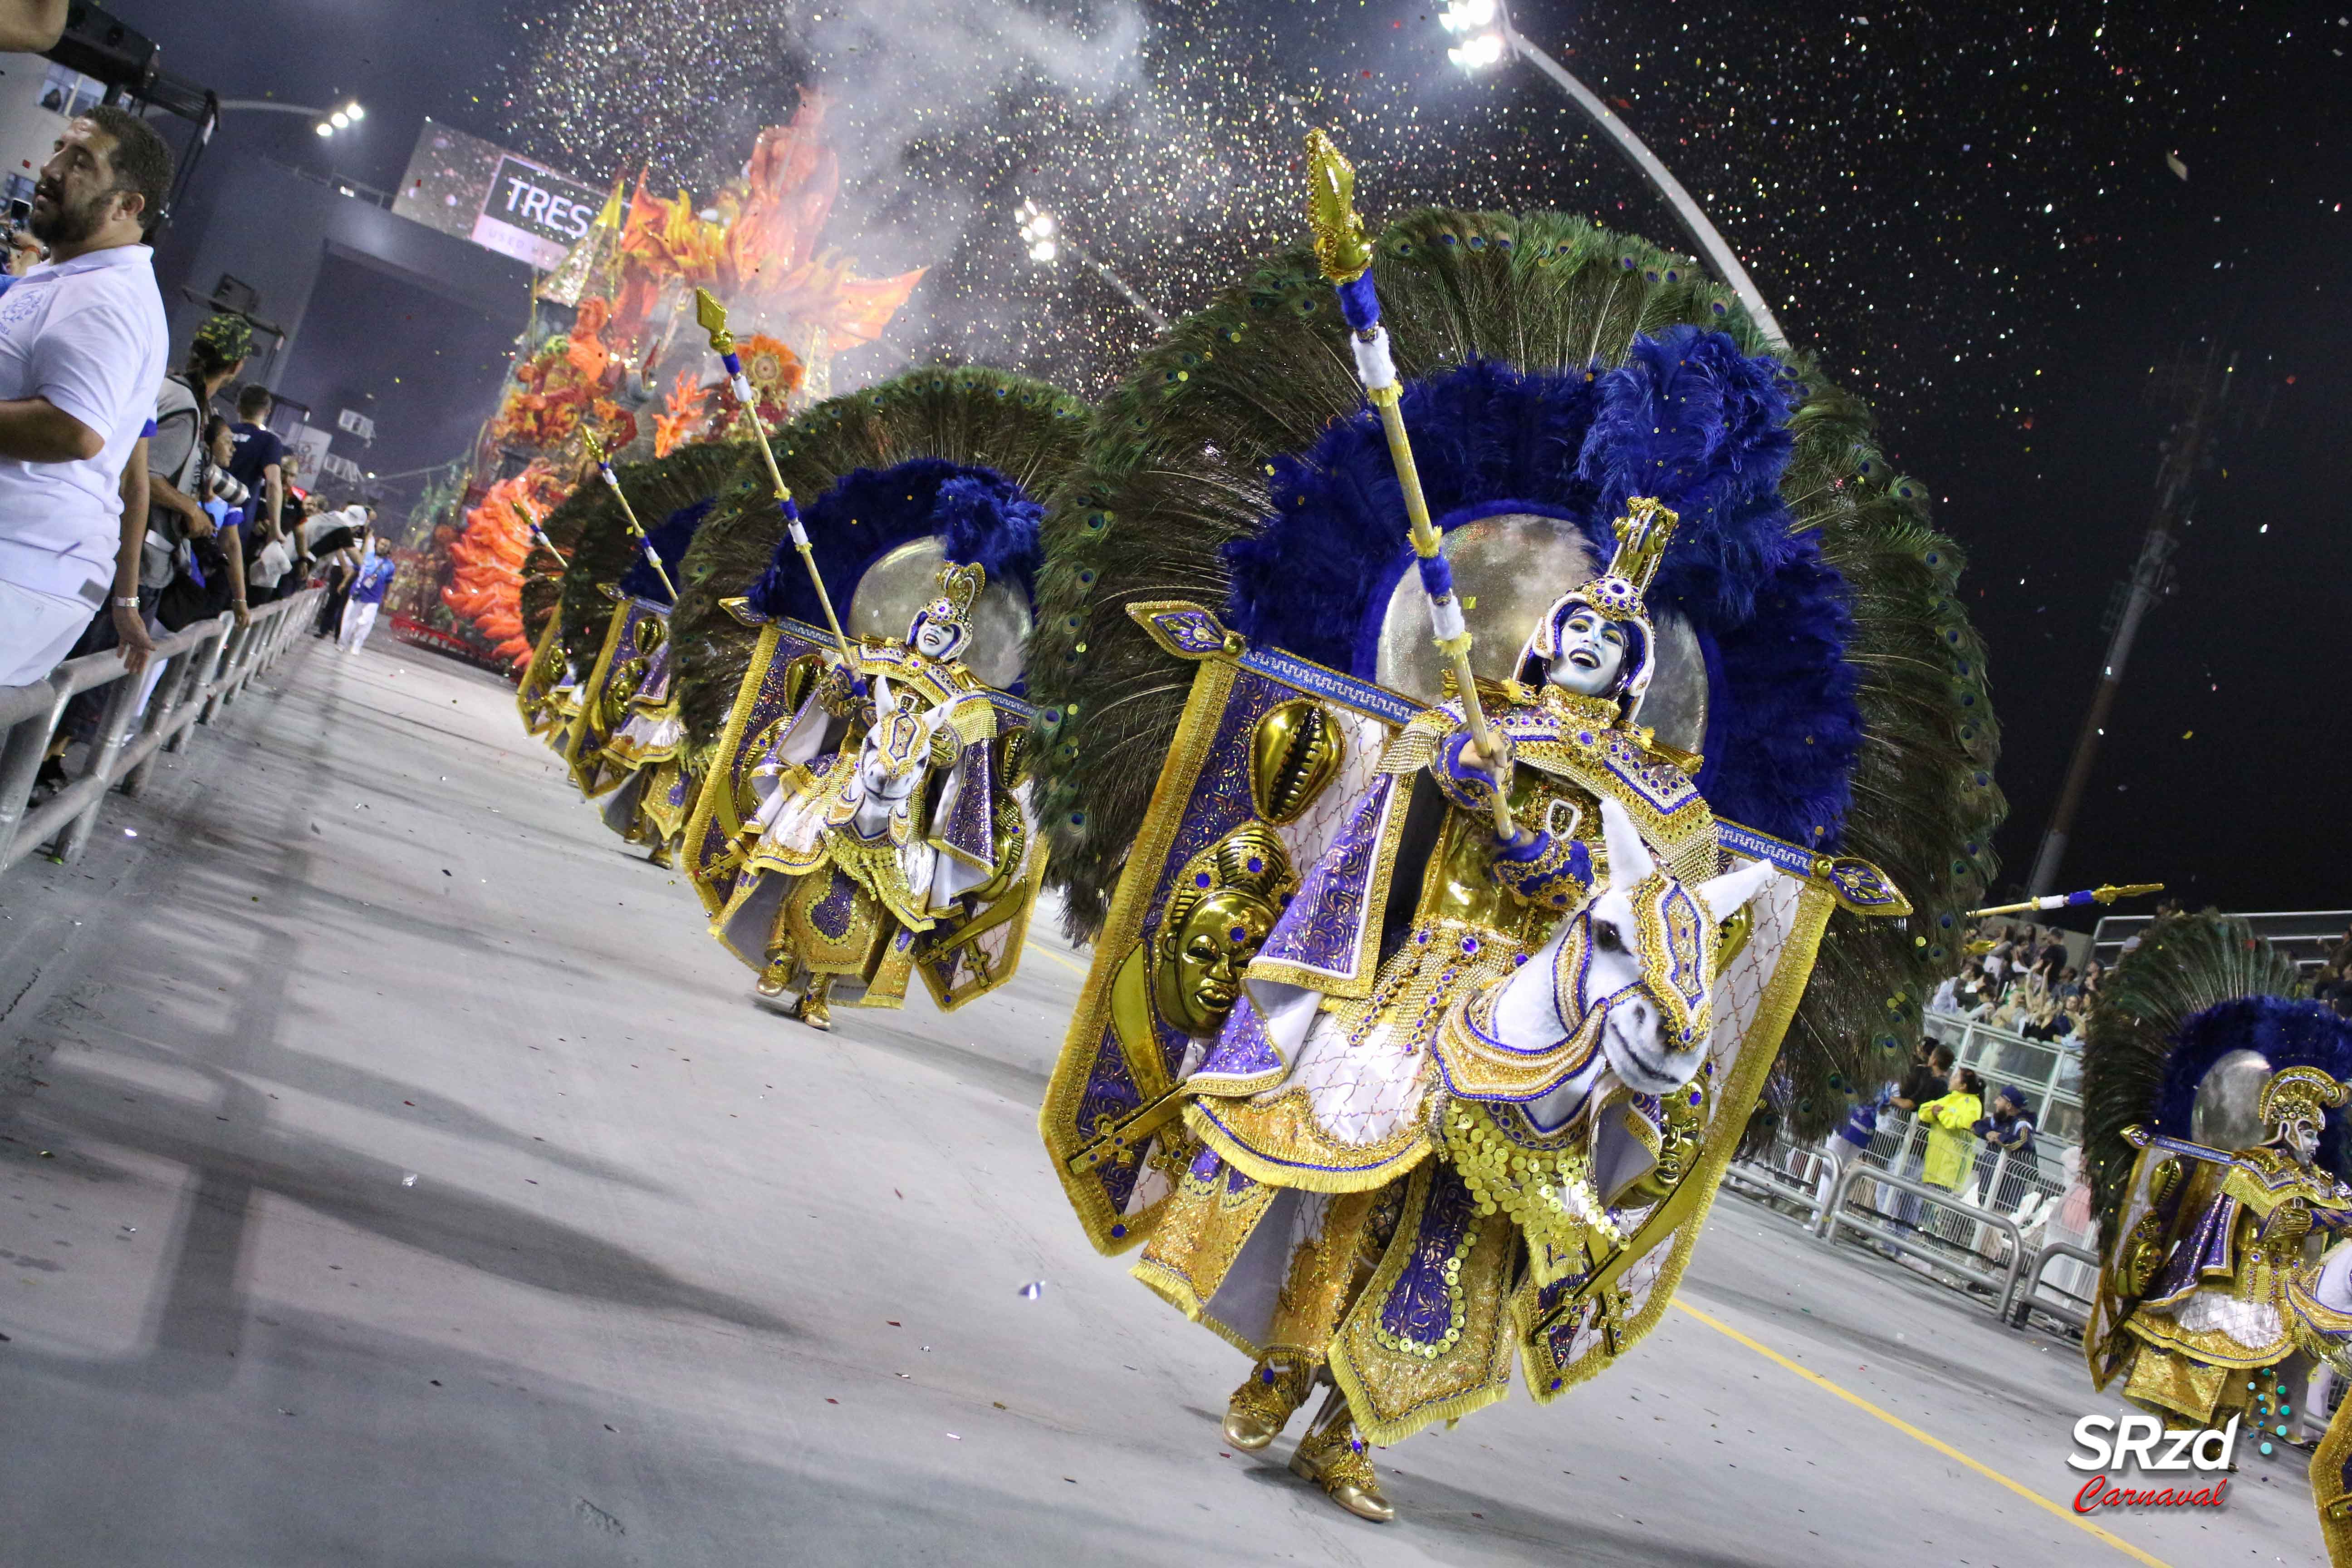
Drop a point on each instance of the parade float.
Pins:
(609, 352)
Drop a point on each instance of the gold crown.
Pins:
(2304, 1090)
(960, 586)
(1642, 535)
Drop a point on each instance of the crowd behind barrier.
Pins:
(196, 671)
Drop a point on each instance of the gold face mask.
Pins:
(1224, 905)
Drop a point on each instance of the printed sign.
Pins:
(501, 201)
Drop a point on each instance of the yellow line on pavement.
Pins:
(2029, 1494)
(1073, 966)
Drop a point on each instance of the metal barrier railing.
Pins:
(2072, 1311)
(1906, 1240)
(196, 672)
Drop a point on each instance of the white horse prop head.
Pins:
(1632, 971)
(892, 765)
(1647, 959)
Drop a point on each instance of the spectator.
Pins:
(2333, 986)
(1921, 1085)
(211, 555)
(259, 463)
(272, 574)
(2095, 973)
(2070, 982)
(341, 567)
(1951, 1122)
(2053, 956)
(188, 451)
(2010, 1127)
(322, 532)
(82, 341)
(368, 585)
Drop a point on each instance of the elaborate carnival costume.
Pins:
(1392, 1096)
(860, 821)
(2214, 1122)
(651, 792)
(610, 634)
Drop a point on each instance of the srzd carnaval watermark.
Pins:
(2142, 1442)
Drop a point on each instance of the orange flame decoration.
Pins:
(566, 381)
(489, 557)
(762, 251)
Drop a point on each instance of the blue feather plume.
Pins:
(669, 539)
(2287, 1032)
(984, 517)
(1687, 418)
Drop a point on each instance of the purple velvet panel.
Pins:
(830, 913)
(970, 829)
(1324, 922)
(1242, 1049)
(1419, 1307)
(654, 688)
(2205, 1245)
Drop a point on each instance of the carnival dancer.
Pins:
(645, 752)
(860, 816)
(617, 590)
(2214, 1120)
(882, 812)
(1433, 989)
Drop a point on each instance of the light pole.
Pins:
(327, 120)
(1487, 34)
(1043, 233)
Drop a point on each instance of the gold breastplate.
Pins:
(1457, 885)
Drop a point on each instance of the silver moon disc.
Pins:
(907, 578)
(1507, 569)
(2223, 1116)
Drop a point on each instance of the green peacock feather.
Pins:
(2183, 964)
(1176, 468)
(543, 580)
(602, 547)
(1022, 428)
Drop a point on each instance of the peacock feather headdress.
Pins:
(969, 454)
(2197, 988)
(1552, 371)
(588, 527)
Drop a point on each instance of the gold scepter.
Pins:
(629, 513)
(538, 535)
(2107, 894)
(711, 316)
(1346, 257)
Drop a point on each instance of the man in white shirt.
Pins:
(82, 344)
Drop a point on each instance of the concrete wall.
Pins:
(273, 229)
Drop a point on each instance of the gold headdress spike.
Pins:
(1642, 535)
(960, 586)
(2304, 1089)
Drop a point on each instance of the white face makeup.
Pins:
(1591, 655)
(933, 639)
(2301, 1140)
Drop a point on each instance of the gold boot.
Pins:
(1262, 1406)
(778, 975)
(812, 1010)
(1335, 1457)
(660, 858)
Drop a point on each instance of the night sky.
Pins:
(1976, 215)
